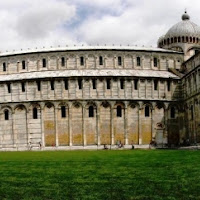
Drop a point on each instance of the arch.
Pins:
(119, 111)
(147, 111)
(194, 40)
(190, 39)
(20, 121)
(91, 111)
(183, 39)
(187, 39)
(172, 40)
(179, 39)
(168, 41)
(175, 39)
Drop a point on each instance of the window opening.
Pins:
(82, 60)
(94, 84)
(35, 113)
(6, 115)
(66, 84)
(155, 85)
(91, 111)
(4, 67)
(52, 85)
(63, 111)
(23, 64)
(136, 84)
(122, 84)
(63, 61)
(44, 64)
(100, 60)
(155, 62)
(119, 111)
(147, 113)
(172, 113)
(38, 85)
(119, 60)
(23, 87)
(138, 61)
(9, 87)
(80, 84)
(108, 84)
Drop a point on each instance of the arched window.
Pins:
(138, 61)
(6, 115)
(35, 113)
(23, 64)
(91, 111)
(100, 60)
(147, 111)
(172, 112)
(63, 111)
(183, 39)
(179, 39)
(44, 63)
(4, 67)
(63, 61)
(119, 111)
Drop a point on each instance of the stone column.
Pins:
(139, 124)
(83, 124)
(70, 124)
(42, 126)
(98, 124)
(126, 123)
(112, 123)
(56, 124)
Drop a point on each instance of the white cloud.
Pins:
(27, 24)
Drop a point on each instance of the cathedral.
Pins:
(92, 97)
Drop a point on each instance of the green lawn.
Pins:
(128, 174)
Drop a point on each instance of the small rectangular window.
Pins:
(100, 60)
(94, 82)
(135, 84)
(44, 63)
(155, 62)
(63, 111)
(6, 115)
(52, 85)
(23, 64)
(63, 62)
(138, 61)
(108, 84)
(4, 67)
(80, 84)
(23, 87)
(168, 86)
(9, 88)
(155, 85)
(122, 84)
(81, 60)
(38, 85)
(119, 60)
(66, 84)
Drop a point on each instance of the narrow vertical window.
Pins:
(63, 111)
(23, 87)
(91, 111)
(52, 85)
(168, 86)
(155, 85)
(138, 61)
(66, 84)
(23, 64)
(155, 62)
(6, 115)
(94, 84)
(9, 87)
(135, 84)
(35, 113)
(100, 60)
(147, 111)
(44, 63)
(4, 67)
(119, 60)
(122, 84)
(63, 62)
(119, 111)
(172, 112)
(81, 60)
(38, 85)
(108, 83)
(80, 84)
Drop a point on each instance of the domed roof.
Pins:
(184, 28)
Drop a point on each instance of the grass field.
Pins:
(136, 174)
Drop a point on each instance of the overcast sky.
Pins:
(43, 23)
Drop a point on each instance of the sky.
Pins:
(30, 24)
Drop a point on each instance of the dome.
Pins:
(184, 28)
